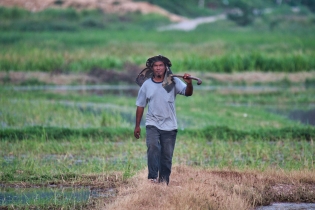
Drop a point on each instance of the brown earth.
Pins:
(261, 77)
(107, 6)
(101, 76)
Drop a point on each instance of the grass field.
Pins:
(81, 135)
(33, 42)
(51, 138)
(222, 51)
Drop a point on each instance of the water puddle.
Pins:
(75, 87)
(245, 88)
(51, 195)
(288, 206)
(304, 113)
(304, 116)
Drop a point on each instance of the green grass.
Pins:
(202, 110)
(244, 154)
(112, 134)
(38, 161)
(217, 47)
(82, 51)
(50, 137)
(42, 160)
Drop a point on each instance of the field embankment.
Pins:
(128, 75)
(194, 188)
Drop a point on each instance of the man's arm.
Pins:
(189, 89)
(139, 114)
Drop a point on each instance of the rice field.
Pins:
(60, 40)
(40, 158)
(80, 141)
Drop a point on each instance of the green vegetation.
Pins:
(51, 137)
(41, 161)
(73, 41)
(64, 133)
(63, 137)
(77, 111)
(116, 134)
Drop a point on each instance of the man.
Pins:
(161, 122)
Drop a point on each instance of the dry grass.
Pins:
(192, 188)
(197, 188)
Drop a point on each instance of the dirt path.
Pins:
(189, 25)
(13, 77)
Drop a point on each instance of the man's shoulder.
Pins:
(145, 85)
(147, 82)
(176, 79)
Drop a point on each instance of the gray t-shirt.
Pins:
(161, 104)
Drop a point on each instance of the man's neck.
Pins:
(158, 78)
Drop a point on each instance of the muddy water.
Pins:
(76, 87)
(306, 116)
(288, 206)
(135, 87)
(52, 194)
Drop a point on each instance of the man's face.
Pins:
(159, 69)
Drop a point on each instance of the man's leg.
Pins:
(153, 151)
(168, 139)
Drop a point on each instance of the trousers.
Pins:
(160, 149)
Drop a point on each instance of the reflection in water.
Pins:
(135, 87)
(305, 117)
(51, 195)
(288, 206)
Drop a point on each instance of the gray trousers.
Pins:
(160, 146)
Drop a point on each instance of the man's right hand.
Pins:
(139, 114)
(137, 132)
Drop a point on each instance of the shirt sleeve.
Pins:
(141, 99)
(180, 86)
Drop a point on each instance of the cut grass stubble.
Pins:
(196, 188)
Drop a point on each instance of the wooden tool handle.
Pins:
(199, 81)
